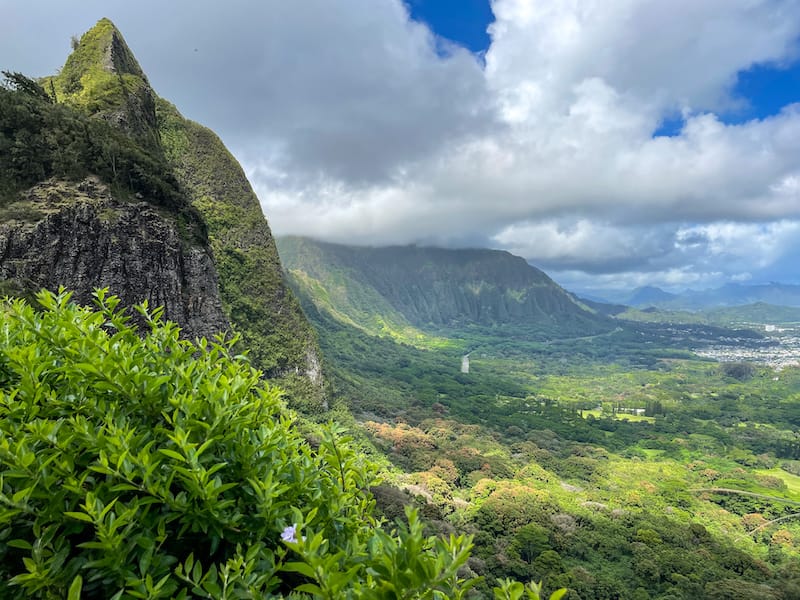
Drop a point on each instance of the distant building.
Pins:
(465, 363)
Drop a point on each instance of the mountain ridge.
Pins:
(430, 288)
(731, 294)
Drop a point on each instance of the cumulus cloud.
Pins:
(347, 91)
(679, 54)
(740, 245)
(357, 125)
(590, 245)
(570, 174)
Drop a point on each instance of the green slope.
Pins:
(759, 313)
(432, 289)
(254, 294)
(339, 289)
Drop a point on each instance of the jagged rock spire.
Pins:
(103, 76)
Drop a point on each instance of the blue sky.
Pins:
(462, 21)
(613, 143)
(763, 89)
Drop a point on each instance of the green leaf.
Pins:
(80, 516)
(299, 567)
(172, 454)
(212, 588)
(197, 572)
(311, 588)
(75, 588)
(21, 495)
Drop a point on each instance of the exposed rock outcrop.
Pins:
(78, 235)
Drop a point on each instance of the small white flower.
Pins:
(290, 534)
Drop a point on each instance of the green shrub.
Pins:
(513, 590)
(152, 467)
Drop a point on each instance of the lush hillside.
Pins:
(759, 312)
(432, 288)
(748, 315)
(617, 464)
(254, 294)
(100, 118)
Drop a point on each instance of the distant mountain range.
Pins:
(398, 289)
(731, 294)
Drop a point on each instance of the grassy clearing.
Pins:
(792, 481)
(598, 414)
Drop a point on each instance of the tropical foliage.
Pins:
(152, 467)
(40, 139)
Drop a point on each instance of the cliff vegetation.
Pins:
(99, 119)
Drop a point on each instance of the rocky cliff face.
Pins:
(431, 287)
(230, 276)
(78, 235)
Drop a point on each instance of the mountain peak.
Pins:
(648, 295)
(102, 48)
(103, 76)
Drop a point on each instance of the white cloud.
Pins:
(355, 128)
(558, 244)
(739, 245)
(570, 176)
(668, 54)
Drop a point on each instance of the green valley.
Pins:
(613, 461)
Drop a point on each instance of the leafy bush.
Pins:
(513, 590)
(152, 467)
